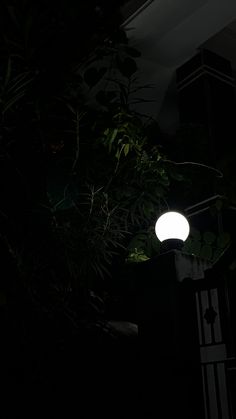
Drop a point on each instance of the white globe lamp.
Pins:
(172, 229)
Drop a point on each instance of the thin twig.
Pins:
(77, 121)
(185, 163)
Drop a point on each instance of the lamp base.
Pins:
(171, 244)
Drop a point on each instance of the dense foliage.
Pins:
(81, 182)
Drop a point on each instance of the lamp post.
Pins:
(184, 330)
(168, 323)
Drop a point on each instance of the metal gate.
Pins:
(215, 345)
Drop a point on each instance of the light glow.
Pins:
(172, 225)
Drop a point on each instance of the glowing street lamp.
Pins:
(172, 229)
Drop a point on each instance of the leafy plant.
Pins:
(88, 179)
(207, 245)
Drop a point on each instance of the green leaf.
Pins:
(195, 247)
(105, 98)
(206, 252)
(112, 138)
(176, 176)
(126, 149)
(209, 237)
(223, 240)
(136, 256)
(92, 75)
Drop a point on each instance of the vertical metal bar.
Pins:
(205, 393)
(211, 324)
(224, 396)
(207, 327)
(199, 319)
(218, 399)
(217, 324)
(212, 392)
